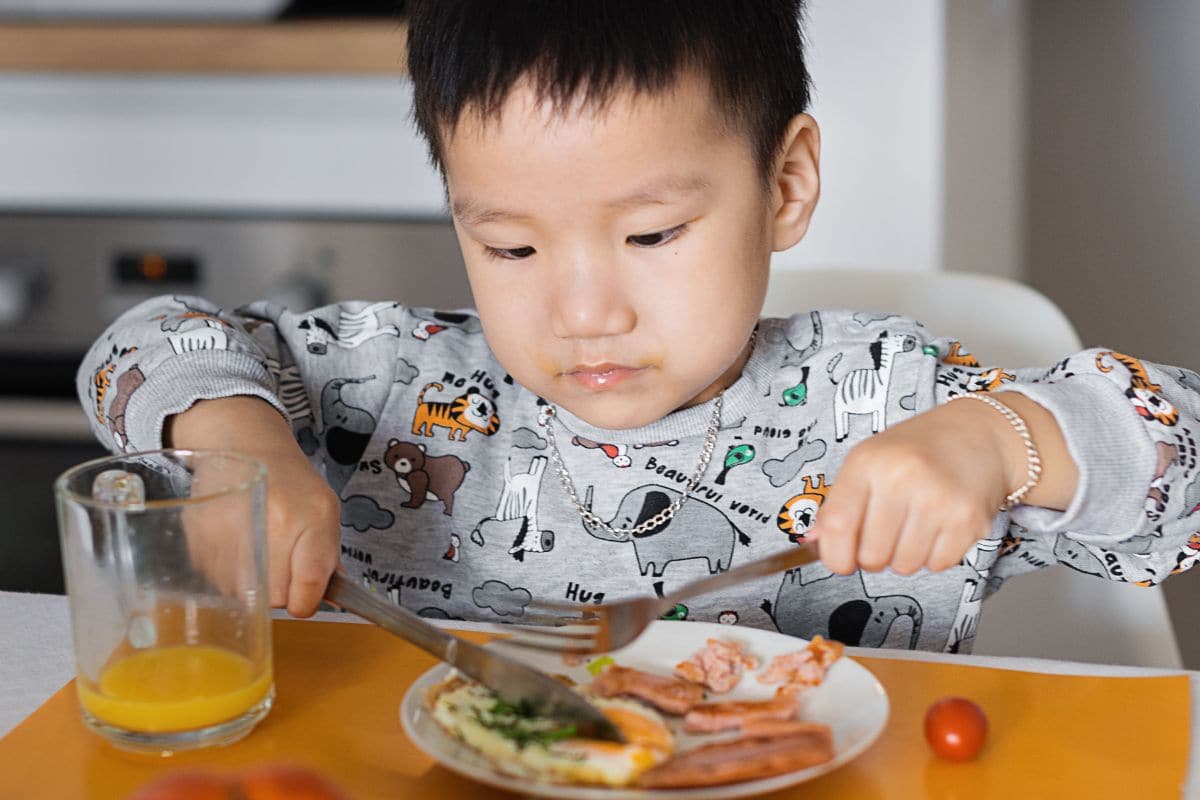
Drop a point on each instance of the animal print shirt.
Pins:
(449, 507)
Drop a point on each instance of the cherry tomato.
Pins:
(955, 728)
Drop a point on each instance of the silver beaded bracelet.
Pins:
(1033, 460)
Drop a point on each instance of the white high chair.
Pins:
(1056, 612)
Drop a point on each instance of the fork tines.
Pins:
(565, 629)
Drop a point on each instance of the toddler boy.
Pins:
(617, 420)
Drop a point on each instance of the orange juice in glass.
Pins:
(164, 557)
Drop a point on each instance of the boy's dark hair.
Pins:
(468, 54)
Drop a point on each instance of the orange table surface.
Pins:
(339, 688)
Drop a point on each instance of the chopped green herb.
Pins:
(518, 724)
(597, 665)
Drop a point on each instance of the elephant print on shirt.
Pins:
(798, 355)
(865, 391)
(346, 431)
(839, 608)
(698, 530)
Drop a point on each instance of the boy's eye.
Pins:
(658, 238)
(510, 253)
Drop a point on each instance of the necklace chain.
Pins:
(590, 518)
(706, 451)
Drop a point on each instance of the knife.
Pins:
(513, 681)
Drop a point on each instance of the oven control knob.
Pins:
(18, 290)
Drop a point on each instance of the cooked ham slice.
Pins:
(712, 717)
(780, 727)
(718, 665)
(669, 694)
(805, 667)
(748, 758)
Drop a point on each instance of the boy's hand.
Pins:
(303, 537)
(921, 493)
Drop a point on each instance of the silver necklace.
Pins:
(589, 518)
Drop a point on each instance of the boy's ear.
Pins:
(796, 182)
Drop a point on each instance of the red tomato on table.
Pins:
(955, 728)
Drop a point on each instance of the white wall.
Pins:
(345, 145)
(986, 125)
(879, 75)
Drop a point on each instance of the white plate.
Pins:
(850, 701)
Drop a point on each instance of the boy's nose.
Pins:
(589, 303)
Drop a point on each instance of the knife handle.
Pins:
(348, 595)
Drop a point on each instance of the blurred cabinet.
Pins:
(330, 47)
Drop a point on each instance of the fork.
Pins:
(579, 630)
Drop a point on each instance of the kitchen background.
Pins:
(258, 148)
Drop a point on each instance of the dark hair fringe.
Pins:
(468, 54)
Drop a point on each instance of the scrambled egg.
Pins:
(535, 748)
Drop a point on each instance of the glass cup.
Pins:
(164, 555)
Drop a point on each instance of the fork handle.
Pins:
(348, 595)
(771, 565)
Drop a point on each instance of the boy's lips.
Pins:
(601, 376)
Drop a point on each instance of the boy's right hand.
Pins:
(303, 535)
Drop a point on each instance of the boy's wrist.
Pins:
(1059, 478)
(1013, 441)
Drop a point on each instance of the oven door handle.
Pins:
(43, 419)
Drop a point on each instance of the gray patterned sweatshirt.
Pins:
(448, 507)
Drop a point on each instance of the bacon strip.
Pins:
(718, 665)
(748, 758)
(805, 667)
(668, 694)
(713, 717)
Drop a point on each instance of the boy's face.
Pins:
(618, 255)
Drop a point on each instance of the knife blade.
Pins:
(513, 681)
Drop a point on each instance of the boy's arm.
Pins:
(1120, 480)
(162, 356)
(1127, 426)
(302, 510)
(251, 381)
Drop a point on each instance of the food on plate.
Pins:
(740, 739)
(718, 665)
(780, 727)
(956, 728)
(746, 758)
(519, 743)
(665, 692)
(805, 667)
(732, 714)
(272, 782)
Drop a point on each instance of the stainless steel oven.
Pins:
(64, 277)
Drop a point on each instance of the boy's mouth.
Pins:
(597, 377)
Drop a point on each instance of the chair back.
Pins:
(1056, 612)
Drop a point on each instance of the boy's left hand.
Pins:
(922, 492)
